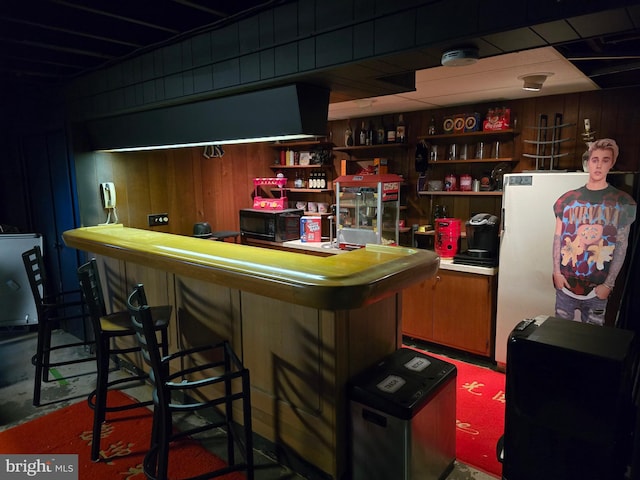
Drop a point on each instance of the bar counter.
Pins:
(303, 325)
(337, 282)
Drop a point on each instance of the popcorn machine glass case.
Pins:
(368, 209)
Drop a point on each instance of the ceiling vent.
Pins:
(459, 57)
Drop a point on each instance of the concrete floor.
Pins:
(16, 390)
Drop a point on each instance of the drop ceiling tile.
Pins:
(602, 23)
(556, 32)
(513, 40)
(634, 14)
(490, 79)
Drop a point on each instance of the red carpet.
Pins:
(479, 415)
(125, 442)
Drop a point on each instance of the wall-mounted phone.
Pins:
(108, 194)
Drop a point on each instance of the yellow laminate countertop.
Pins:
(336, 282)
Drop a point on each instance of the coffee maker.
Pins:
(482, 241)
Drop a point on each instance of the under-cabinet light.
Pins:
(216, 142)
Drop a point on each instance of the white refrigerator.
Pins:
(525, 285)
(17, 306)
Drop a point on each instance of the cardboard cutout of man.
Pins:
(590, 239)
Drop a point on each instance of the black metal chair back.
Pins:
(142, 322)
(54, 311)
(34, 265)
(107, 328)
(91, 288)
(187, 380)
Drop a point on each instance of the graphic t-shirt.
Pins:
(590, 222)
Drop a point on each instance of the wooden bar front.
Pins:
(302, 324)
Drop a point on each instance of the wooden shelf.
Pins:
(364, 148)
(302, 144)
(277, 166)
(492, 193)
(305, 190)
(469, 135)
(474, 160)
(317, 214)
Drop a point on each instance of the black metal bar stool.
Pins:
(107, 328)
(219, 368)
(53, 312)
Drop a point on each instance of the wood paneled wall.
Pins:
(192, 188)
(182, 183)
(613, 114)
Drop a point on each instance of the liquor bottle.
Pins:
(432, 126)
(323, 180)
(390, 133)
(401, 130)
(363, 134)
(380, 133)
(370, 134)
(348, 136)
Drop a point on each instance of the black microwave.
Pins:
(270, 225)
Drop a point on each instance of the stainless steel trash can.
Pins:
(403, 418)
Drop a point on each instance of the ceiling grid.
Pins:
(132, 45)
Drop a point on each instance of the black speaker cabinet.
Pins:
(569, 409)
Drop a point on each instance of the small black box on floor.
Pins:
(568, 401)
(403, 418)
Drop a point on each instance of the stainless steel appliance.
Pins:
(18, 306)
(403, 418)
(270, 225)
(482, 241)
(368, 209)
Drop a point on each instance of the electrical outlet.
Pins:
(157, 219)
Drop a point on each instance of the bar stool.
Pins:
(224, 372)
(107, 328)
(66, 306)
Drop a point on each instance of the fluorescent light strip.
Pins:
(213, 142)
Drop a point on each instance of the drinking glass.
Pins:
(496, 149)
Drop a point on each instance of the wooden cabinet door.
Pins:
(462, 311)
(417, 310)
